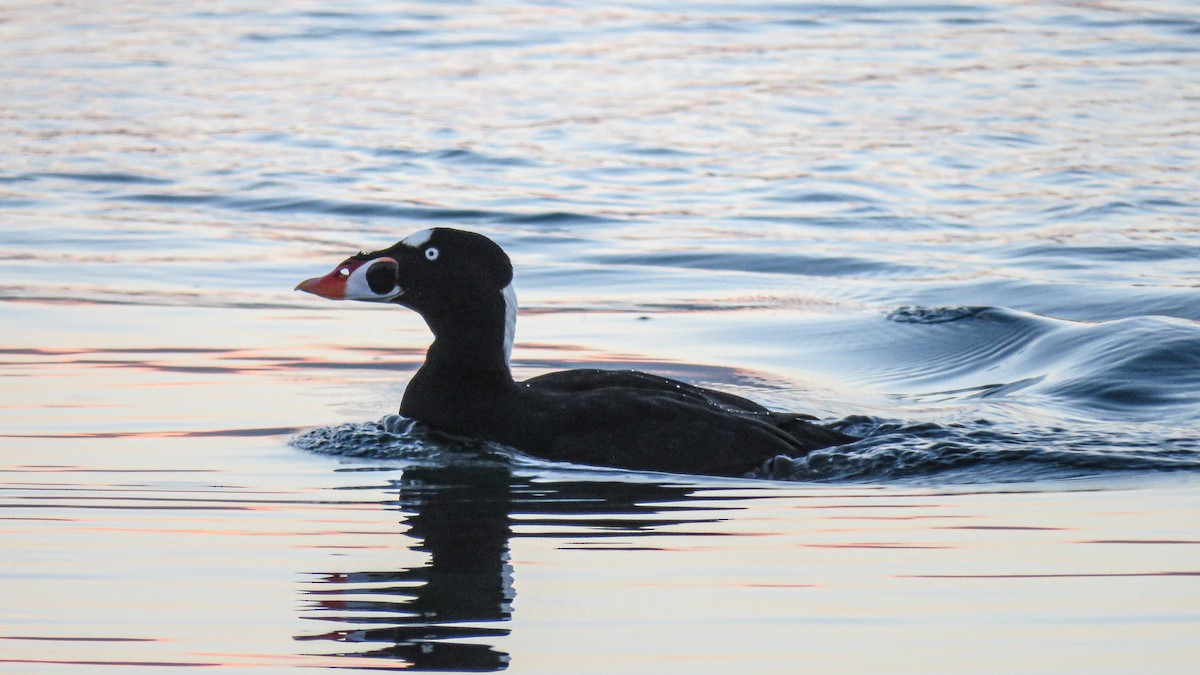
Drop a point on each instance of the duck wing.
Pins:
(655, 399)
(590, 379)
(651, 430)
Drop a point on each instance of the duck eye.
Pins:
(431, 253)
(345, 271)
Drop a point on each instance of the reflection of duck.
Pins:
(451, 612)
(460, 283)
(428, 614)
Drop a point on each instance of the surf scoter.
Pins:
(461, 284)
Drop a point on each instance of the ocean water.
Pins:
(968, 232)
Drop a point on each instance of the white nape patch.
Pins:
(357, 287)
(417, 239)
(510, 321)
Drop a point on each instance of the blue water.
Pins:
(984, 217)
(968, 232)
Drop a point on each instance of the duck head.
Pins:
(460, 282)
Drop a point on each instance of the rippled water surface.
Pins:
(969, 233)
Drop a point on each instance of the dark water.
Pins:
(967, 232)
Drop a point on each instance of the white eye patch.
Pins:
(432, 253)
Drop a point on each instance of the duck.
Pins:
(461, 283)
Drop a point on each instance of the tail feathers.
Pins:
(807, 434)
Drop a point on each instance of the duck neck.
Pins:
(467, 359)
(474, 345)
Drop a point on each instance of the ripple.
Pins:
(765, 263)
(322, 33)
(1145, 366)
(107, 177)
(296, 204)
(1139, 367)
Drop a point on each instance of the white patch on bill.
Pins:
(510, 321)
(357, 287)
(417, 239)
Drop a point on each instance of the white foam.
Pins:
(417, 239)
(510, 321)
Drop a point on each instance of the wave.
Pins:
(760, 262)
(1126, 370)
(416, 214)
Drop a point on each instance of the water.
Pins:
(968, 232)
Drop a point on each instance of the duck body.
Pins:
(625, 419)
(460, 282)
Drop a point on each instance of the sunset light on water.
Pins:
(965, 233)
